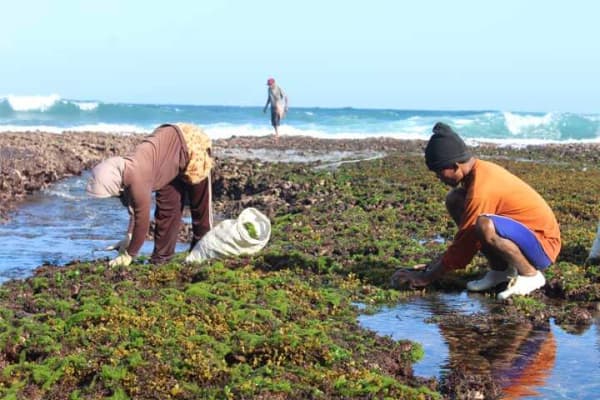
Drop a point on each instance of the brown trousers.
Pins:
(170, 201)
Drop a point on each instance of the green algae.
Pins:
(225, 331)
(251, 229)
(281, 324)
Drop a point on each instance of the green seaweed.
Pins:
(251, 229)
(282, 323)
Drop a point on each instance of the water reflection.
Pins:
(525, 360)
(517, 356)
(529, 366)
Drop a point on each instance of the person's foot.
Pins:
(523, 285)
(492, 278)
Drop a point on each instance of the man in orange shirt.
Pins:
(496, 213)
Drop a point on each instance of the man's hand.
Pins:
(122, 260)
(420, 275)
(121, 245)
(411, 277)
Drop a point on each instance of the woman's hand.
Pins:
(122, 260)
(121, 245)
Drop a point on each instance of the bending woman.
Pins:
(173, 161)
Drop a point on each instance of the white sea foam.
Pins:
(62, 194)
(521, 143)
(462, 122)
(524, 130)
(518, 124)
(108, 128)
(86, 105)
(31, 103)
(224, 132)
(30, 128)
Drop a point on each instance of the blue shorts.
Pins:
(523, 237)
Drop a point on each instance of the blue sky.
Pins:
(501, 55)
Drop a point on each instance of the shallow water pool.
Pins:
(530, 363)
(59, 225)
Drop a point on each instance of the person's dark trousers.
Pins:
(199, 196)
(167, 218)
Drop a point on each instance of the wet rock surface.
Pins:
(31, 161)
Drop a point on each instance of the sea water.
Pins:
(62, 224)
(55, 114)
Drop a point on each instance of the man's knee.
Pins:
(486, 230)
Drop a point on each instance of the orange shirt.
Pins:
(491, 189)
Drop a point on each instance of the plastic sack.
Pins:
(595, 251)
(231, 238)
(280, 110)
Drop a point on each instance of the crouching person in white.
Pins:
(496, 213)
(594, 257)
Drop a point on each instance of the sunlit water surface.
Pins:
(60, 225)
(531, 364)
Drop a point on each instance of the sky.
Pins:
(509, 55)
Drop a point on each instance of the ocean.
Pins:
(55, 114)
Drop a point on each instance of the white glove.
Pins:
(121, 245)
(122, 260)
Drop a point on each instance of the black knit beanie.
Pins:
(445, 148)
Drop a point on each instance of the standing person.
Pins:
(279, 104)
(497, 213)
(173, 161)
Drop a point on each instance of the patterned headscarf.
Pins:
(107, 178)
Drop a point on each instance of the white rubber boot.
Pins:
(523, 285)
(491, 279)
